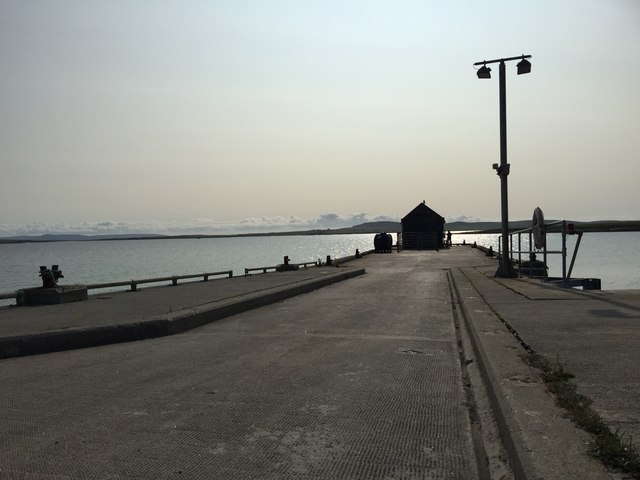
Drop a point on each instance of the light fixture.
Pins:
(523, 66)
(505, 268)
(485, 72)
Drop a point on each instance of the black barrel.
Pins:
(383, 242)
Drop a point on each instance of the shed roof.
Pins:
(422, 211)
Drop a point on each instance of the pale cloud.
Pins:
(205, 226)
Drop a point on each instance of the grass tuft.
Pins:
(614, 449)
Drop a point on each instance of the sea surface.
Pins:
(612, 257)
(102, 261)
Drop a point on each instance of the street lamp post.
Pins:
(505, 268)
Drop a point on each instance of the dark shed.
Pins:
(422, 229)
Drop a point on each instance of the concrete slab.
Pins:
(153, 312)
(362, 379)
(596, 335)
(541, 442)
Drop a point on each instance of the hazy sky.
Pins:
(212, 115)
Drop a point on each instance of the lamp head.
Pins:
(524, 66)
(484, 72)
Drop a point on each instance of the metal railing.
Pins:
(247, 271)
(348, 258)
(133, 284)
(173, 279)
(318, 263)
(564, 229)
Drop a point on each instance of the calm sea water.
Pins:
(613, 257)
(87, 262)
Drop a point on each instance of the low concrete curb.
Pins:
(477, 315)
(163, 325)
(540, 440)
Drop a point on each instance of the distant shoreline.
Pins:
(367, 228)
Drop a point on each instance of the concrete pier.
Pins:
(411, 370)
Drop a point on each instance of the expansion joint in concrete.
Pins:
(482, 458)
(520, 464)
(509, 327)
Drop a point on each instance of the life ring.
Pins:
(539, 233)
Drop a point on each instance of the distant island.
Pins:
(369, 227)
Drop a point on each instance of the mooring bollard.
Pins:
(50, 277)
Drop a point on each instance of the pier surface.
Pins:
(377, 376)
